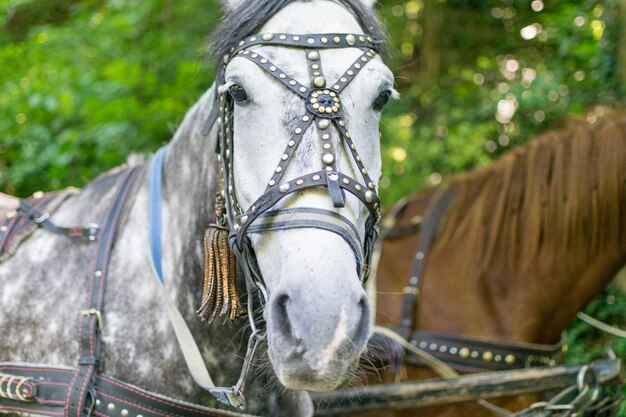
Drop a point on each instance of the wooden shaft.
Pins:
(415, 394)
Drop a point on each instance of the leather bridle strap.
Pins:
(81, 394)
(43, 219)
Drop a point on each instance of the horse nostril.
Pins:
(280, 315)
(361, 333)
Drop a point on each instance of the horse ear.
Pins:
(231, 5)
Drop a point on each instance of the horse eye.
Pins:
(381, 100)
(238, 93)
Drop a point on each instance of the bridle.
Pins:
(322, 108)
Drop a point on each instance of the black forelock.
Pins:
(251, 15)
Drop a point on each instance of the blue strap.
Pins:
(156, 191)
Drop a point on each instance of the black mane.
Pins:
(246, 20)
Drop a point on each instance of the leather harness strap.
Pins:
(41, 390)
(81, 394)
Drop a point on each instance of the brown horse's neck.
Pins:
(528, 241)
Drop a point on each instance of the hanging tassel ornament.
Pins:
(219, 296)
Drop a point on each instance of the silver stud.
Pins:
(333, 177)
(285, 157)
(464, 352)
(324, 40)
(98, 403)
(362, 38)
(510, 359)
(282, 76)
(298, 131)
(326, 146)
(306, 118)
(98, 273)
(272, 183)
(350, 73)
(268, 36)
(3, 228)
(474, 354)
(358, 187)
(319, 82)
(323, 124)
(296, 38)
(336, 86)
(282, 37)
(328, 158)
(351, 40)
(264, 61)
(357, 66)
(292, 82)
(311, 41)
(316, 106)
(300, 182)
(370, 185)
(237, 227)
(124, 413)
(419, 255)
(272, 68)
(226, 59)
(284, 187)
(316, 177)
(320, 109)
(110, 406)
(254, 55)
(364, 171)
(342, 123)
(313, 100)
(346, 181)
(313, 55)
(315, 66)
(358, 158)
(343, 79)
(453, 350)
(337, 39)
(335, 109)
(279, 170)
(244, 220)
(241, 43)
(252, 39)
(364, 58)
(369, 196)
(303, 89)
(329, 168)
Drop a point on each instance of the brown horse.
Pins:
(527, 242)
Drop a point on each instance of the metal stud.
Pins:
(313, 100)
(98, 273)
(272, 68)
(370, 185)
(298, 131)
(346, 181)
(316, 106)
(296, 38)
(284, 187)
(474, 354)
(364, 171)
(272, 183)
(315, 66)
(358, 187)
(319, 82)
(11, 214)
(510, 359)
(453, 350)
(264, 61)
(343, 79)
(3, 228)
(124, 413)
(357, 66)
(369, 197)
(303, 89)
(313, 55)
(316, 177)
(241, 43)
(464, 352)
(268, 36)
(254, 55)
(336, 86)
(285, 157)
(110, 406)
(306, 118)
(252, 39)
(300, 182)
(324, 40)
(282, 76)
(333, 177)
(362, 38)
(237, 227)
(351, 40)
(226, 57)
(335, 109)
(358, 158)
(329, 110)
(328, 158)
(279, 170)
(98, 403)
(292, 82)
(282, 37)
(291, 143)
(310, 41)
(342, 123)
(350, 73)
(320, 109)
(337, 39)
(326, 146)
(323, 124)
(487, 356)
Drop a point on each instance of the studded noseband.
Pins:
(322, 108)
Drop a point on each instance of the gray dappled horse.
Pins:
(316, 313)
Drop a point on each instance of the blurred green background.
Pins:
(84, 83)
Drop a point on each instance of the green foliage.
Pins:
(85, 83)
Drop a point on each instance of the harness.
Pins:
(463, 353)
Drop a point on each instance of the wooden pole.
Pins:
(415, 394)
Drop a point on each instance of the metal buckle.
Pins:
(42, 218)
(94, 312)
(93, 229)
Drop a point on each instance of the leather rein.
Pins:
(463, 353)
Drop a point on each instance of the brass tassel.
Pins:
(219, 295)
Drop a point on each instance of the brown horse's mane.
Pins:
(561, 196)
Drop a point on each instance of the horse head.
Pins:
(300, 109)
